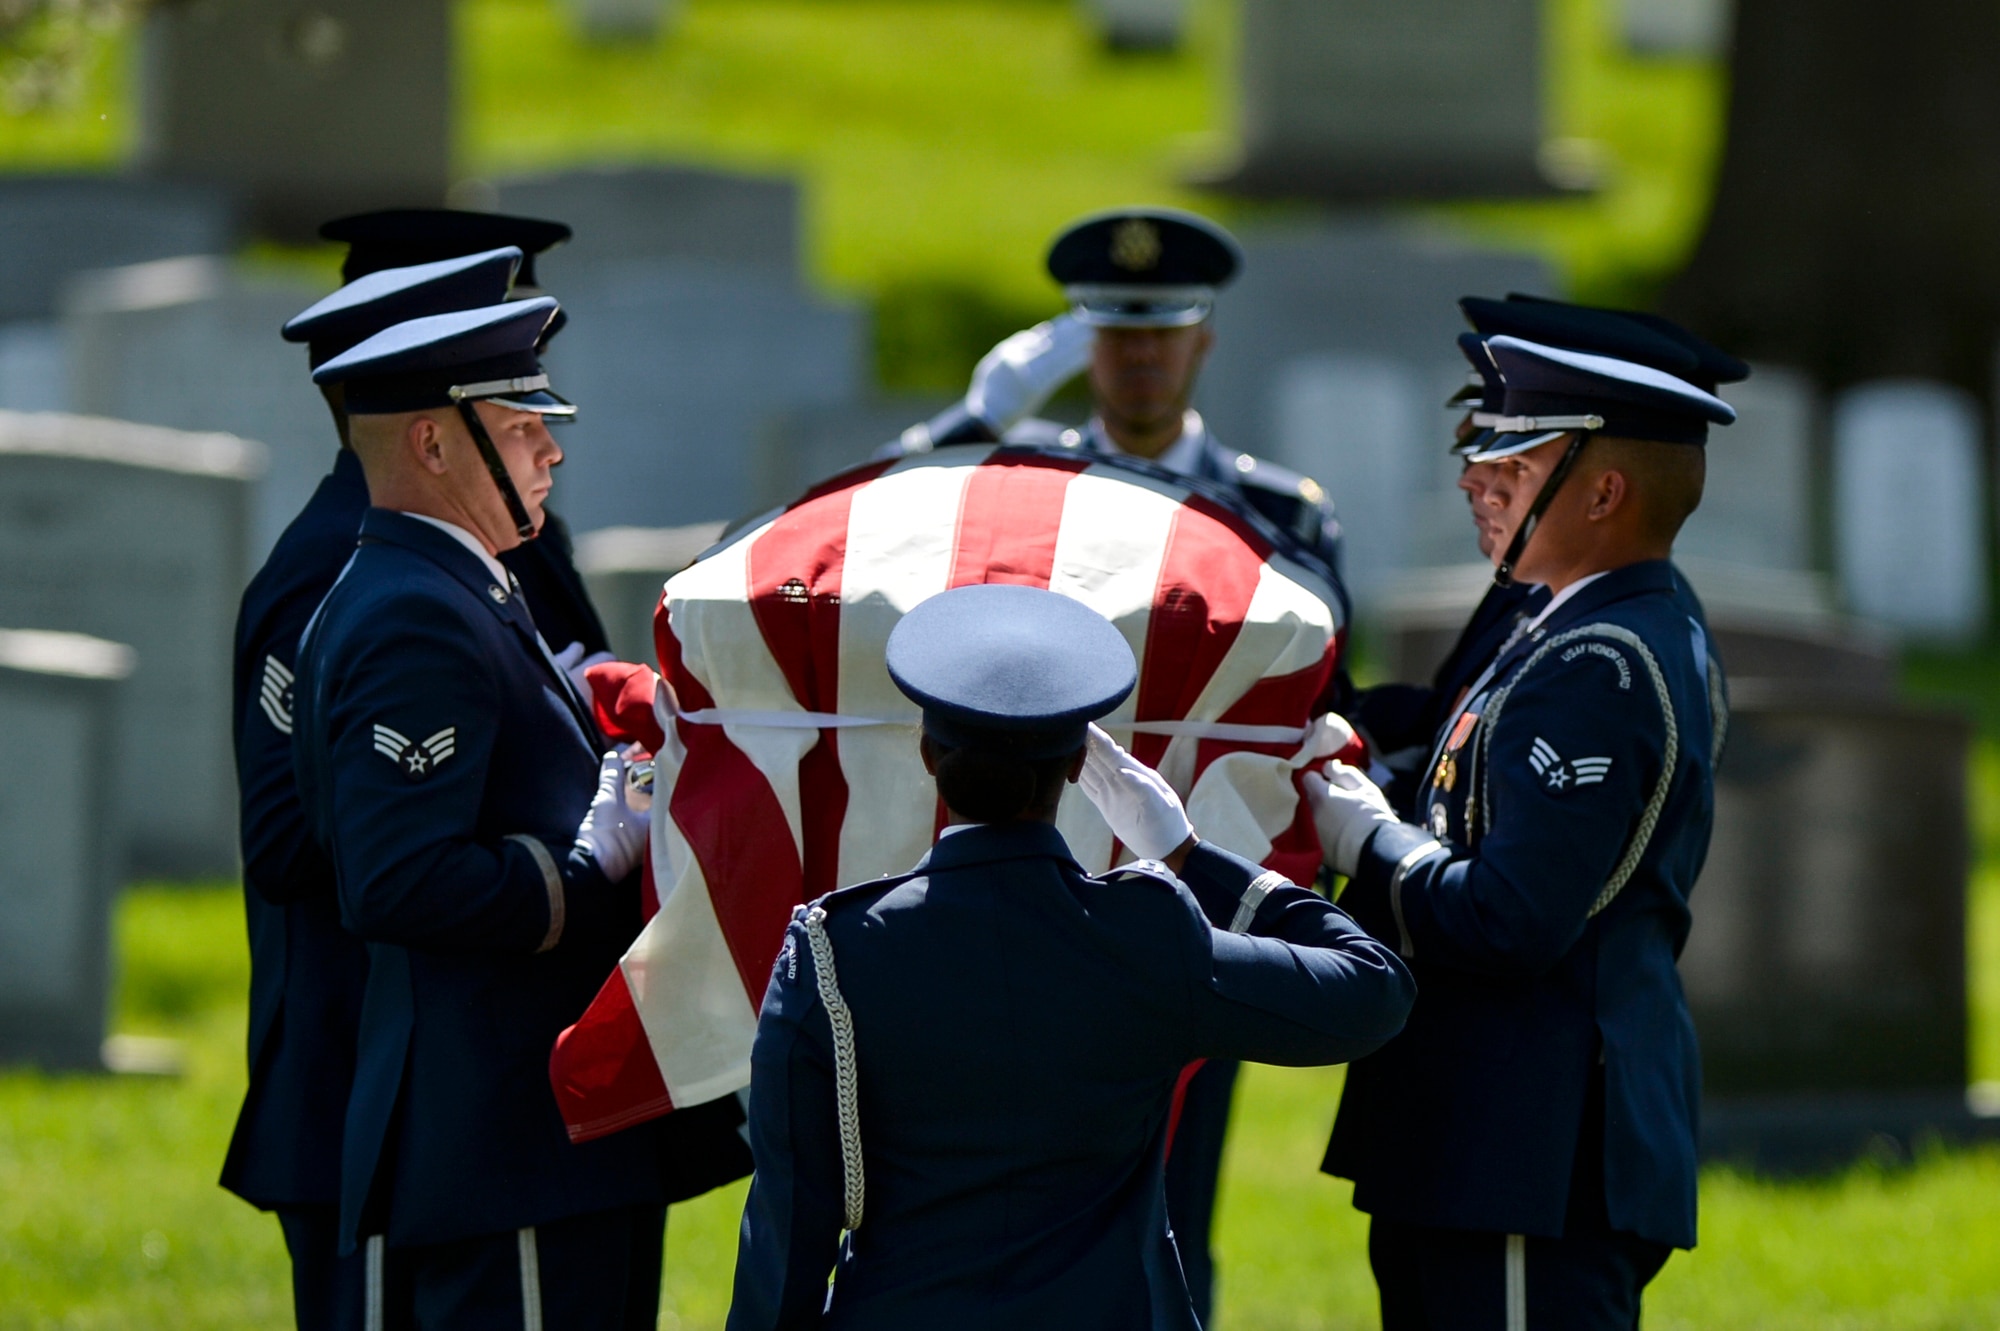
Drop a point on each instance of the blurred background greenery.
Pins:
(940, 142)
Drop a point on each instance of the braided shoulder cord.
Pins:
(1718, 712)
(1649, 818)
(846, 1078)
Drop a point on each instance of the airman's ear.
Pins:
(1608, 494)
(426, 440)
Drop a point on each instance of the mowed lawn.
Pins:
(110, 1216)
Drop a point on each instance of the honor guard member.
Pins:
(306, 971)
(1142, 283)
(480, 847)
(1400, 720)
(968, 1068)
(1527, 1147)
(397, 237)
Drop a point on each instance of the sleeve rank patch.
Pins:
(274, 695)
(417, 760)
(1559, 774)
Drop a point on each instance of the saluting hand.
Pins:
(1347, 808)
(1141, 808)
(1017, 376)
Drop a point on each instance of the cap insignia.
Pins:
(1135, 245)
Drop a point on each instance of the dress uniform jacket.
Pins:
(1544, 951)
(1018, 1028)
(306, 972)
(445, 762)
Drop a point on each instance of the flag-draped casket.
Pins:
(789, 763)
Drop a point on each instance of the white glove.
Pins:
(613, 833)
(1346, 808)
(1018, 375)
(573, 663)
(1141, 809)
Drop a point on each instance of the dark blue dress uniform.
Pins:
(444, 762)
(306, 971)
(1153, 268)
(994, 1146)
(1527, 1146)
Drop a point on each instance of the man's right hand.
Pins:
(1346, 809)
(1017, 376)
(612, 833)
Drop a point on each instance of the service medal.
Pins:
(1447, 773)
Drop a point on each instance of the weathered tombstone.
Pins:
(1698, 28)
(193, 344)
(1909, 507)
(137, 534)
(801, 448)
(625, 569)
(1360, 423)
(621, 20)
(675, 367)
(1371, 99)
(657, 212)
(60, 744)
(34, 368)
(306, 112)
(1756, 509)
(57, 226)
(1140, 25)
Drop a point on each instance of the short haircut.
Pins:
(995, 787)
(1665, 480)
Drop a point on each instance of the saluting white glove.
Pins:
(1346, 808)
(574, 663)
(1141, 809)
(613, 833)
(1018, 375)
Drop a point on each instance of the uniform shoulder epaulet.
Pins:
(1035, 432)
(866, 890)
(1147, 871)
(1259, 474)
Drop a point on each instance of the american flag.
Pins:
(800, 770)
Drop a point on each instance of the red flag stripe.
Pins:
(1009, 517)
(602, 1068)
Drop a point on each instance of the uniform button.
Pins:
(1245, 463)
(497, 592)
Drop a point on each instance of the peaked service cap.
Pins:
(1551, 391)
(440, 360)
(1020, 670)
(399, 237)
(1143, 267)
(389, 296)
(1713, 365)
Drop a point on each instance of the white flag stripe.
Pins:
(1109, 548)
(685, 985)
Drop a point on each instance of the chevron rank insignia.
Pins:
(1559, 774)
(274, 695)
(416, 759)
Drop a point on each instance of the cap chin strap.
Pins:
(1503, 576)
(524, 526)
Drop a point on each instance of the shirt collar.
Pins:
(470, 542)
(1561, 596)
(1182, 457)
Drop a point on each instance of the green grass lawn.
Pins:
(110, 1216)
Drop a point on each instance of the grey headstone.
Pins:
(1756, 508)
(1697, 28)
(625, 569)
(57, 226)
(802, 448)
(676, 367)
(657, 212)
(193, 344)
(1828, 950)
(307, 112)
(614, 20)
(34, 367)
(137, 534)
(1369, 99)
(1361, 423)
(1909, 507)
(1140, 25)
(60, 743)
(1362, 295)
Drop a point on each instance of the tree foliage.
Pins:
(44, 45)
